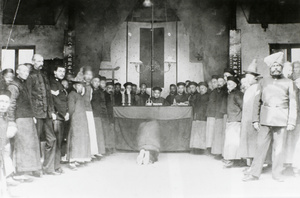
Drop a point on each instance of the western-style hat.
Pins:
(234, 79)
(274, 58)
(203, 84)
(193, 83)
(109, 83)
(229, 70)
(215, 77)
(127, 84)
(181, 84)
(157, 88)
(252, 68)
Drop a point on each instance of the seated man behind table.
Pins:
(156, 99)
(143, 96)
(117, 95)
(171, 96)
(181, 98)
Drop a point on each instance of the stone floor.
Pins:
(176, 175)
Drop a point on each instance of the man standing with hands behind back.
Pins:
(274, 113)
(42, 105)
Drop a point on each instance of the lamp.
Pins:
(147, 3)
(137, 64)
(169, 61)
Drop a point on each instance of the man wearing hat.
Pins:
(117, 95)
(274, 113)
(181, 97)
(219, 129)
(248, 133)
(198, 132)
(211, 113)
(233, 125)
(193, 94)
(129, 96)
(156, 99)
(228, 72)
(172, 94)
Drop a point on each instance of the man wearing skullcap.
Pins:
(181, 97)
(173, 91)
(156, 99)
(129, 96)
(233, 125)
(274, 113)
(198, 132)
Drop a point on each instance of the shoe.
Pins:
(22, 179)
(36, 174)
(59, 170)
(99, 155)
(228, 164)
(11, 182)
(248, 178)
(140, 157)
(146, 158)
(279, 179)
(72, 166)
(50, 173)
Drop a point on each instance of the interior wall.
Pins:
(48, 39)
(255, 41)
(203, 43)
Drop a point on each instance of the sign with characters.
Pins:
(69, 50)
(235, 47)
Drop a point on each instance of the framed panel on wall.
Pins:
(291, 50)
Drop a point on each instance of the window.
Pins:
(291, 51)
(13, 56)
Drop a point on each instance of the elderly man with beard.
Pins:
(26, 142)
(274, 113)
(39, 93)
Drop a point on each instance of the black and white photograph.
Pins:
(150, 98)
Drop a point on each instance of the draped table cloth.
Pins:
(174, 124)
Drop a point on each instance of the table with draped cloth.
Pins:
(174, 124)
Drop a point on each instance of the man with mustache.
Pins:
(274, 113)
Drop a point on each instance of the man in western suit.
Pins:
(274, 113)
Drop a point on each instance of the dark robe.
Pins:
(159, 101)
(182, 98)
(170, 98)
(201, 104)
(118, 99)
(142, 98)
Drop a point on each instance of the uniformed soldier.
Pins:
(274, 113)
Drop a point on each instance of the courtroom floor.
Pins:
(176, 175)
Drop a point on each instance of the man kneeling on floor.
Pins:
(148, 139)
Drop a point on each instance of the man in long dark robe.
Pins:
(156, 99)
(143, 96)
(26, 142)
(117, 95)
